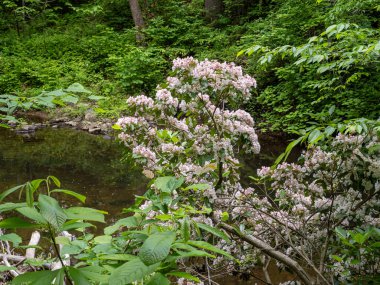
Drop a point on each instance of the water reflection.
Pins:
(84, 163)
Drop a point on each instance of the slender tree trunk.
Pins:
(138, 19)
(213, 8)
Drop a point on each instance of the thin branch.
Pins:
(270, 251)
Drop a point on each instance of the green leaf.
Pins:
(77, 88)
(225, 216)
(314, 136)
(12, 237)
(185, 229)
(80, 197)
(70, 99)
(158, 279)
(168, 183)
(54, 179)
(11, 206)
(77, 276)
(51, 211)
(16, 223)
(70, 249)
(198, 187)
(62, 240)
(4, 268)
(156, 247)
(103, 239)
(329, 130)
(126, 222)
(73, 225)
(214, 231)
(185, 275)
(131, 271)
(32, 214)
(337, 258)
(60, 279)
(83, 213)
(96, 98)
(94, 273)
(207, 246)
(10, 191)
(36, 278)
(117, 256)
(56, 93)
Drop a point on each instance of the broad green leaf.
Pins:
(158, 279)
(60, 279)
(83, 213)
(16, 223)
(185, 275)
(96, 98)
(70, 99)
(193, 253)
(131, 271)
(77, 276)
(11, 206)
(125, 222)
(71, 249)
(73, 225)
(62, 240)
(207, 246)
(117, 256)
(329, 130)
(12, 237)
(51, 211)
(156, 247)
(36, 278)
(32, 214)
(168, 183)
(80, 197)
(214, 231)
(198, 187)
(314, 136)
(77, 88)
(103, 239)
(58, 93)
(94, 273)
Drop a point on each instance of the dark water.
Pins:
(88, 164)
(92, 166)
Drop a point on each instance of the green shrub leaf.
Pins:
(156, 247)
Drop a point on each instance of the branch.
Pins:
(34, 239)
(270, 251)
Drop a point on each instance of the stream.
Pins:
(92, 165)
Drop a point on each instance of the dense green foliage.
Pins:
(307, 55)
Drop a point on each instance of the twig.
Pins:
(14, 273)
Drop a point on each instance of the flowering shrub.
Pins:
(301, 205)
(187, 130)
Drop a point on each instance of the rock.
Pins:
(95, 130)
(26, 129)
(72, 123)
(59, 120)
(90, 115)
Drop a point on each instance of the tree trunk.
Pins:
(138, 19)
(213, 8)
